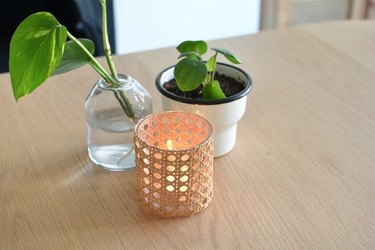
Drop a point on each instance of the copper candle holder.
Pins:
(174, 163)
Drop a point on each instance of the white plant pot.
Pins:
(224, 114)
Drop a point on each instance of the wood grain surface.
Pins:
(302, 174)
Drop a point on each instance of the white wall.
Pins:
(149, 24)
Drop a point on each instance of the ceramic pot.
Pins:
(224, 114)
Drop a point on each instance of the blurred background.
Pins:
(144, 25)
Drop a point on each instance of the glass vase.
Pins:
(111, 114)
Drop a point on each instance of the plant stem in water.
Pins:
(125, 104)
(125, 156)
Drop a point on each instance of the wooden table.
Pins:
(302, 174)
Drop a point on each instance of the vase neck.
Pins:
(124, 81)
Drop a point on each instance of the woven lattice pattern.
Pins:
(174, 156)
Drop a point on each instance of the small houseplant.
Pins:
(192, 85)
(41, 47)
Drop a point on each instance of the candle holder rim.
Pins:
(210, 134)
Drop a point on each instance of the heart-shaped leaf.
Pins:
(73, 56)
(36, 50)
(228, 55)
(212, 91)
(189, 73)
(197, 46)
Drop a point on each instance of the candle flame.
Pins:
(169, 145)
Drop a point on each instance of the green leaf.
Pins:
(191, 54)
(36, 49)
(197, 46)
(73, 56)
(228, 55)
(212, 91)
(210, 64)
(189, 73)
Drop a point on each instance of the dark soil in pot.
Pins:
(229, 86)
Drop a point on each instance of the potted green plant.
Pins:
(41, 47)
(215, 90)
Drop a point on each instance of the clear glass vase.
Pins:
(110, 123)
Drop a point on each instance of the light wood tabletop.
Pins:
(302, 174)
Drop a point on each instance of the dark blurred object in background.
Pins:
(81, 17)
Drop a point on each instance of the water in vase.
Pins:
(110, 143)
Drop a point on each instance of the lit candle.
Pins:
(169, 144)
(174, 158)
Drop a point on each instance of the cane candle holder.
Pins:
(174, 162)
